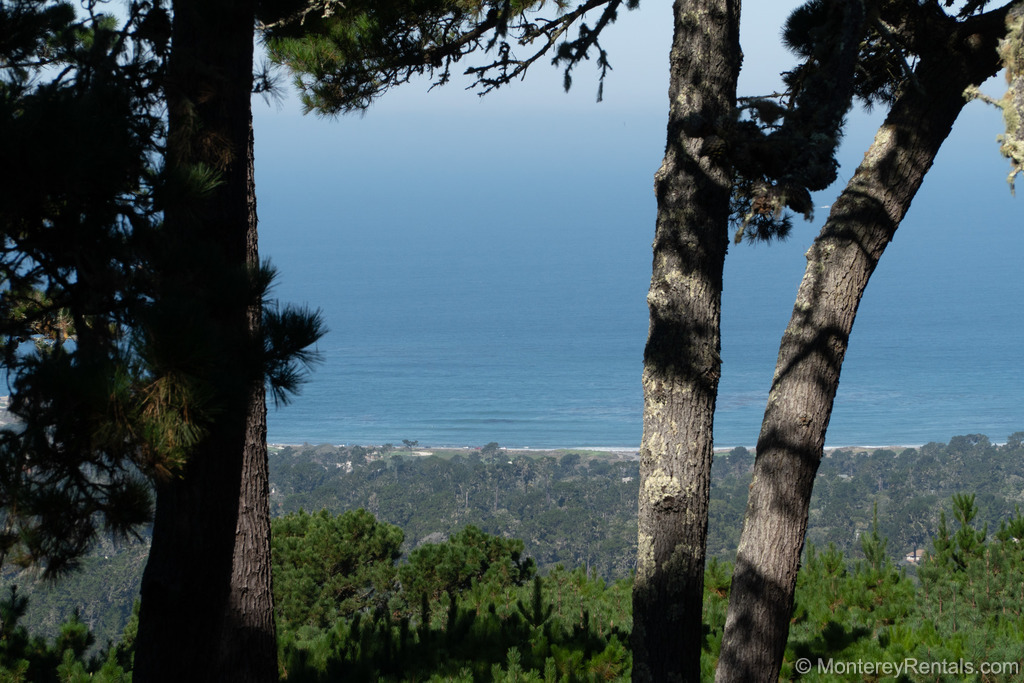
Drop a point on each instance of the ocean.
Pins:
(486, 281)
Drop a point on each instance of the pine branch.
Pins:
(344, 62)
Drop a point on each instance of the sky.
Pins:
(482, 164)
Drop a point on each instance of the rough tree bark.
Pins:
(862, 222)
(207, 611)
(249, 637)
(681, 359)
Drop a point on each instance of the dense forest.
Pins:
(383, 551)
(579, 508)
(474, 607)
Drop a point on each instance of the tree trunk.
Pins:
(862, 222)
(207, 611)
(681, 360)
(249, 640)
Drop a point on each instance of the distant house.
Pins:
(5, 417)
(915, 556)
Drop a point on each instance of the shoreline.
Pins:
(423, 450)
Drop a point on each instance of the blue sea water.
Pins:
(486, 281)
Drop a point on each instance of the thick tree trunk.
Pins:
(681, 359)
(207, 612)
(249, 637)
(862, 222)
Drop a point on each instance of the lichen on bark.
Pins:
(1011, 52)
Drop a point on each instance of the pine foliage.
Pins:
(67, 657)
(78, 101)
(326, 567)
(483, 633)
(783, 145)
(568, 625)
(345, 55)
(108, 373)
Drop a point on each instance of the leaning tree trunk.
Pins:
(207, 611)
(681, 359)
(862, 222)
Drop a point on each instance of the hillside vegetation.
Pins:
(579, 508)
(447, 547)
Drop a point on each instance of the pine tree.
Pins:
(152, 273)
(72, 275)
(873, 545)
(326, 567)
(206, 596)
(968, 542)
